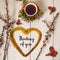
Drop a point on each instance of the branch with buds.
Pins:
(49, 32)
(6, 28)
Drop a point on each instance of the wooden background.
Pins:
(14, 7)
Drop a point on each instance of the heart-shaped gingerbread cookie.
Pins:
(26, 32)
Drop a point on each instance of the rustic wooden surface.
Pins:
(14, 7)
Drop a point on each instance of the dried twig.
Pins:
(6, 27)
(46, 23)
(50, 30)
(1, 17)
(1, 38)
(7, 42)
(7, 11)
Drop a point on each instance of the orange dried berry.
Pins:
(54, 54)
(52, 9)
(49, 7)
(18, 22)
(48, 54)
(22, 8)
(51, 49)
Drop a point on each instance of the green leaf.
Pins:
(29, 18)
(21, 13)
(25, 1)
(18, 0)
(41, 12)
